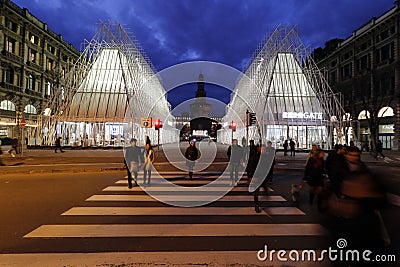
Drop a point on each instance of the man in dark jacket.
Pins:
(235, 155)
(133, 159)
(191, 154)
(253, 156)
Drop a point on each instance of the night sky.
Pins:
(224, 31)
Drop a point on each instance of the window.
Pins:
(63, 73)
(386, 52)
(363, 62)
(347, 70)
(30, 109)
(7, 105)
(12, 25)
(50, 64)
(333, 63)
(49, 86)
(33, 39)
(51, 49)
(32, 55)
(10, 45)
(333, 77)
(31, 82)
(9, 75)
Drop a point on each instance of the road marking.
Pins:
(393, 199)
(182, 198)
(177, 189)
(190, 182)
(178, 211)
(175, 230)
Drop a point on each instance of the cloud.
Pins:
(224, 31)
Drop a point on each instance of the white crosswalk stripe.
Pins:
(116, 195)
(181, 198)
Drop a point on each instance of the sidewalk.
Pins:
(97, 160)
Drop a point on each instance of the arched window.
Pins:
(30, 109)
(386, 112)
(47, 112)
(363, 115)
(7, 105)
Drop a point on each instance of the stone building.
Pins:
(365, 69)
(33, 61)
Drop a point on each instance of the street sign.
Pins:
(146, 122)
(22, 123)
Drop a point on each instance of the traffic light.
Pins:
(252, 119)
(157, 124)
(233, 125)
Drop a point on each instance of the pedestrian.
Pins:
(285, 147)
(58, 145)
(148, 163)
(132, 160)
(148, 140)
(357, 208)
(314, 176)
(314, 148)
(264, 172)
(335, 166)
(252, 161)
(191, 155)
(270, 151)
(14, 146)
(235, 156)
(379, 149)
(292, 145)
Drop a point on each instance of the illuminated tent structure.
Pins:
(106, 96)
(289, 95)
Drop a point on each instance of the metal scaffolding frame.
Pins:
(289, 95)
(109, 89)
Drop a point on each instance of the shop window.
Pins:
(386, 112)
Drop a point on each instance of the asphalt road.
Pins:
(29, 202)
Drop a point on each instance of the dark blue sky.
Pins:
(225, 31)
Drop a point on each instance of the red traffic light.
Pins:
(233, 126)
(157, 124)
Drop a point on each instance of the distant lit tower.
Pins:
(200, 108)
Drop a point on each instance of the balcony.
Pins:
(11, 87)
(12, 56)
(33, 93)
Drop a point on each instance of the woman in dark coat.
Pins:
(314, 176)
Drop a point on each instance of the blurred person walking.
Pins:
(314, 176)
(263, 173)
(58, 145)
(252, 161)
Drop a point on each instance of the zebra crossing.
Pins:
(137, 215)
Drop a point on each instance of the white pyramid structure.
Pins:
(289, 95)
(111, 88)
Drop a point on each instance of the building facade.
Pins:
(365, 69)
(33, 61)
